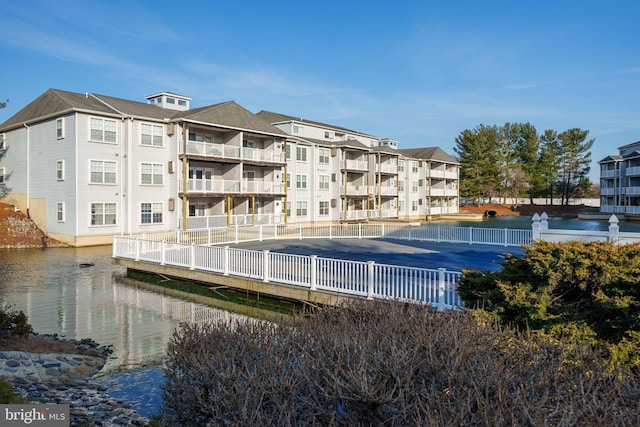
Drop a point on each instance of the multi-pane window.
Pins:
(301, 154)
(414, 167)
(103, 172)
(401, 166)
(2, 141)
(60, 128)
(288, 209)
(301, 208)
(323, 208)
(323, 182)
(60, 170)
(103, 130)
(103, 213)
(288, 180)
(401, 186)
(60, 211)
(298, 130)
(200, 137)
(401, 205)
(414, 186)
(151, 134)
(328, 135)
(150, 213)
(323, 155)
(301, 181)
(414, 206)
(287, 151)
(151, 173)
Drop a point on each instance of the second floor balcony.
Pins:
(229, 152)
(355, 165)
(355, 190)
(224, 186)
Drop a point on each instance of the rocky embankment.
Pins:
(19, 231)
(67, 379)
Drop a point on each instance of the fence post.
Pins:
(137, 256)
(359, 231)
(300, 231)
(506, 236)
(614, 229)
(441, 288)
(236, 233)
(370, 278)
(471, 235)
(260, 234)
(265, 265)
(535, 227)
(209, 231)
(544, 221)
(313, 277)
(192, 254)
(163, 253)
(383, 233)
(409, 231)
(330, 231)
(225, 261)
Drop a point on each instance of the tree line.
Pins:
(514, 161)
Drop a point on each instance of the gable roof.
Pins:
(56, 102)
(229, 114)
(274, 118)
(428, 153)
(611, 158)
(51, 103)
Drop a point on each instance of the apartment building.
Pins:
(88, 166)
(620, 181)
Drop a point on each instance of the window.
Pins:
(323, 182)
(401, 186)
(298, 130)
(171, 100)
(103, 130)
(287, 151)
(200, 137)
(151, 134)
(60, 211)
(2, 177)
(288, 180)
(182, 102)
(414, 186)
(414, 206)
(103, 214)
(103, 172)
(301, 154)
(401, 205)
(151, 173)
(3, 137)
(401, 166)
(323, 208)
(301, 208)
(414, 167)
(301, 181)
(323, 155)
(150, 213)
(60, 170)
(328, 135)
(60, 128)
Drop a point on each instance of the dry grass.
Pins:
(36, 344)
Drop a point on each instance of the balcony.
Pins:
(608, 191)
(387, 190)
(224, 186)
(213, 221)
(355, 165)
(356, 215)
(608, 173)
(438, 173)
(221, 151)
(632, 171)
(355, 190)
(632, 191)
(443, 192)
(387, 168)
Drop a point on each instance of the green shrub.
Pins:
(585, 290)
(7, 396)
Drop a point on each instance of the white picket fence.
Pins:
(343, 277)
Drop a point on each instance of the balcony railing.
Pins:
(359, 165)
(632, 191)
(437, 173)
(607, 191)
(632, 171)
(355, 190)
(357, 214)
(208, 149)
(213, 221)
(387, 168)
(224, 186)
(443, 192)
(608, 173)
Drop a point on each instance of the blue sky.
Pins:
(420, 72)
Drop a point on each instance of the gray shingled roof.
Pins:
(54, 102)
(612, 158)
(272, 118)
(229, 114)
(428, 153)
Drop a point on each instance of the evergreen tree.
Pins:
(476, 152)
(574, 167)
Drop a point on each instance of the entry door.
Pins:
(196, 175)
(248, 178)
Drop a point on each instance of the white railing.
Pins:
(218, 221)
(632, 191)
(209, 149)
(432, 233)
(355, 190)
(356, 165)
(352, 278)
(387, 168)
(354, 215)
(632, 170)
(222, 186)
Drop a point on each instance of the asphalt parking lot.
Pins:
(452, 256)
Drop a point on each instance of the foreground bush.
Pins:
(14, 323)
(386, 364)
(587, 290)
